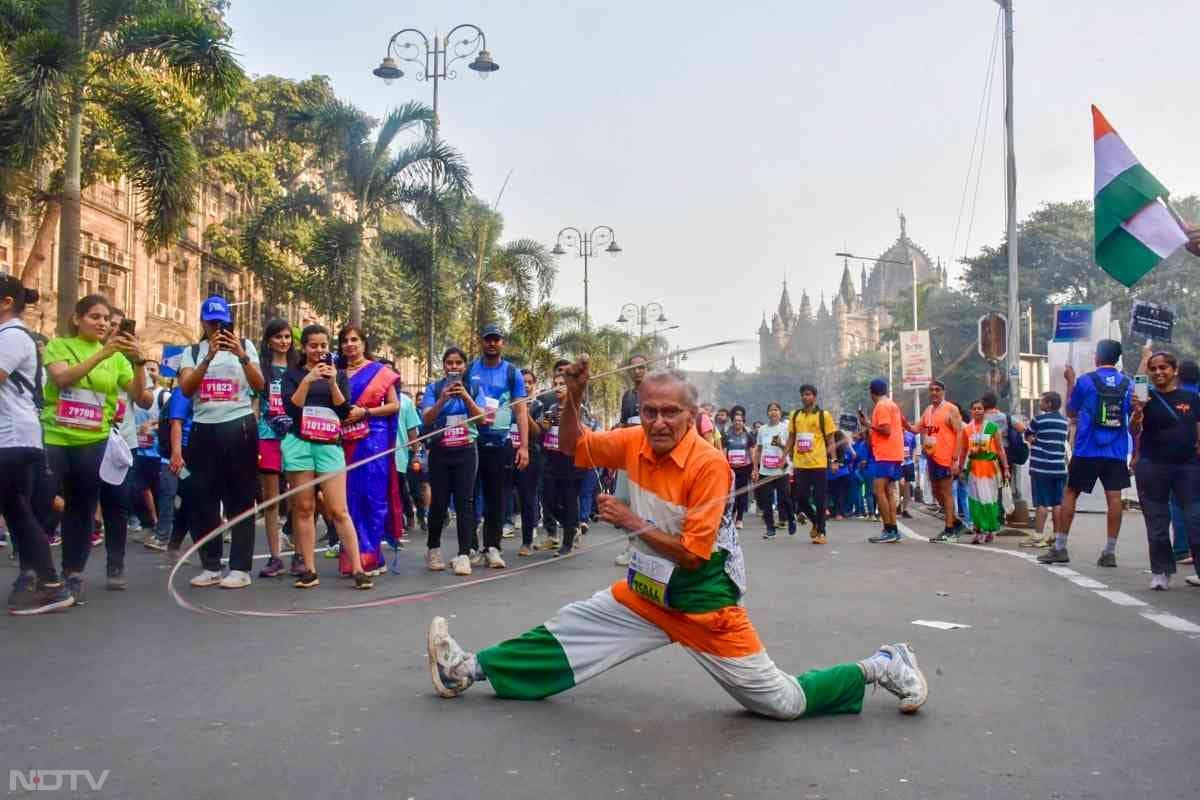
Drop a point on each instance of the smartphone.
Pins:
(1141, 388)
(327, 358)
(453, 378)
(127, 326)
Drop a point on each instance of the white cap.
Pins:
(118, 458)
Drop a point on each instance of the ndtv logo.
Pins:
(53, 780)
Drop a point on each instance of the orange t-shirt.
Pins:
(890, 447)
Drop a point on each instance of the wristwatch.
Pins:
(244, 360)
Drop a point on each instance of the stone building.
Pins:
(808, 342)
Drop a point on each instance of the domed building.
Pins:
(807, 343)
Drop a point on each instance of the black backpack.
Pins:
(820, 426)
(34, 387)
(1110, 403)
(1015, 447)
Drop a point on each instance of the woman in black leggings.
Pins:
(453, 460)
(739, 444)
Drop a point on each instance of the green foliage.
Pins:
(857, 375)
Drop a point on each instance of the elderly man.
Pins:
(684, 584)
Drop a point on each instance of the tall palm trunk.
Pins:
(68, 239)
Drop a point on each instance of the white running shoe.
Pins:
(622, 559)
(433, 560)
(904, 678)
(492, 556)
(1192, 580)
(236, 579)
(206, 578)
(477, 559)
(1160, 582)
(447, 660)
(461, 565)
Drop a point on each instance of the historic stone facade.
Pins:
(815, 343)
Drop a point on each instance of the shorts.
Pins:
(909, 472)
(937, 472)
(270, 456)
(885, 469)
(1084, 471)
(1047, 489)
(302, 456)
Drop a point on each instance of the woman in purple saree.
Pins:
(372, 490)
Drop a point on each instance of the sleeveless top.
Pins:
(940, 441)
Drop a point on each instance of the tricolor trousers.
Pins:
(589, 637)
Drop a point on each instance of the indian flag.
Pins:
(1134, 230)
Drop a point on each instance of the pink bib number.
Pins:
(772, 460)
(319, 424)
(738, 458)
(456, 434)
(80, 408)
(275, 400)
(514, 435)
(804, 442)
(219, 389)
(551, 440)
(353, 431)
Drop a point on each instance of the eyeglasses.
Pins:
(669, 414)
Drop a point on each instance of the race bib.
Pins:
(738, 458)
(275, 400)
(456, 434)
(649, 577)
(514, 435)
(490, 406)
(772, 458)
(550, 441)
(213, 390)
(635, 420)
(353, 431)
(145, 440)
(804, 442)
(320, 424)
(80, 408)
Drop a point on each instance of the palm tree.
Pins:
(121, 78)
(374, 178)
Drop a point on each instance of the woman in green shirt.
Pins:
(86, 371)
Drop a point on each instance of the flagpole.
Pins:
(1176, 215)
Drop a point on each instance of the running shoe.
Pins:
(988, 538)
(622, 559)
(1054, 556)
(235, 579)
(493, 559)
(333, 551)
(297, 566)
(525, 551)
(56, 540)
(1160, 583)
(448, 662)
(433, 560)
(1185, 559)
(583, 528)
(461, 565)
(74, 586)
(738, 524)
(904, 678)
(477, 559)
(770, 534)
(272, 569)
(116, 581)
(1192, 580)
(792, 528)
(509, 531)
(154, 543)
(1032, 542)
(886, 537)
(945, 537)
(308, 580)
(976, 539)
(208, 577)
(819, 539)
(30, 595)
(1106, 560)
(362, 581)
(97, 537)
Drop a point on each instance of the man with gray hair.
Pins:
(685, 581)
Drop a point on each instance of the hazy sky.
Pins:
(731, 145)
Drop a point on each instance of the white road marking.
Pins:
(1088, 583)
(1122, 599)
(1172, 622)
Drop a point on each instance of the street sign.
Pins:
(993, 336)
(916, 360)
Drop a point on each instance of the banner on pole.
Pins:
(1151, 321)
(1073, 324)
(916, 360)
(172, 354)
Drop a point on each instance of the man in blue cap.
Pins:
(503, 436)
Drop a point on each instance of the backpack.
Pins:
(1110, 403)
(820, 427)
(1015, 447)
(164, 422)
(22, 383)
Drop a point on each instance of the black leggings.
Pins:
(562, 498)
(181, 523)
(741, 479)
(116, 504)
(223, 459)
(75, 476)
(17, 468)
(452, 469)
(527, 493)
(811, 496)
(495, 476)
(770, 493)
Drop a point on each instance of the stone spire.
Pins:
(786, 314)
(805, 307)
(846, 290)
(822, 310)
(763, 329)
(863, 281)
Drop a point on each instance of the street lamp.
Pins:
(586, 246)
(435, 63)
(642, 313)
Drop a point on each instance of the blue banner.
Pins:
(1073, 324)
(171, 355)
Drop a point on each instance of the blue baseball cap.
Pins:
(491, 330)
(215, 309)
(879, 387)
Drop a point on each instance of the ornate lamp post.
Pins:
(586, 246)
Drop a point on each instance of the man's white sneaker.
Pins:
(433, 560)
(477, 559)
(904, 678)
(1192, 580)
(461, 565)
(492, 556)
(206, 578)
(623, 559)
(1159, 582)
(448, 663)
(236, 579)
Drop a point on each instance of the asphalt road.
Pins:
(1054, 691)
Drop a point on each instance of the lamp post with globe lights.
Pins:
(586, 246)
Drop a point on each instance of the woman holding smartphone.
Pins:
(452, 460)
(86, 372)
(221, 375)
(770, 461)
(278, 354)
(316, 397)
